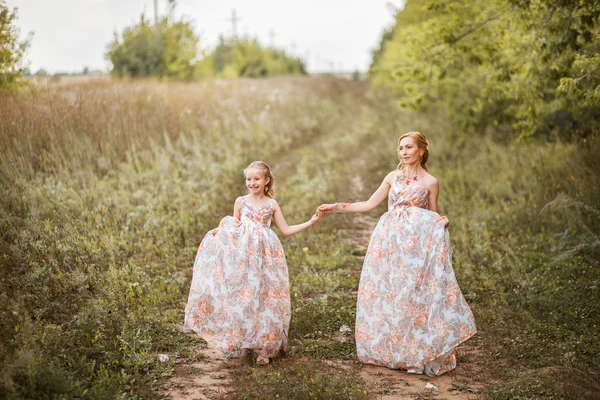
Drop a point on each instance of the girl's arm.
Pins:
(364, 206)
(283, 226)
(237, 208)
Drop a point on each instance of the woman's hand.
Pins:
(327, 208)
(445, 219)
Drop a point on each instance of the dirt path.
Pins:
(207, 379)
(465, 382)
(211, 379)
(212, 376)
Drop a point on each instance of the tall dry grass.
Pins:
(108, 187)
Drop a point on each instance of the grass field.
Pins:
(108, 187)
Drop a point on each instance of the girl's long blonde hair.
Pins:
(422, 143)
(269, 190)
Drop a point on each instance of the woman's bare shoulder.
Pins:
(430, 181)
(389, 178)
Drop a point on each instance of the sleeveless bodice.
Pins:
(261, 215)
(405, 195)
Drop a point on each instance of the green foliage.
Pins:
(328, 348)
(170, 49)
(167, 49)
(322, 317)
(247, 58)
(108, 190)
(524, 225)
(12, 49)
(514, 68)
(303, 380)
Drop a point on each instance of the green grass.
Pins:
(302, 379)
(108, 188)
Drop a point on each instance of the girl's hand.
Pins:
(316, 216)
(327, 208)
(445, 219)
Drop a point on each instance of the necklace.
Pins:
(407, 179)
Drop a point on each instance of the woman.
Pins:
(410, 313)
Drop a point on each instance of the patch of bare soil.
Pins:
(208, 379)
(465, 382)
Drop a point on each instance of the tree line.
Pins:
(510, 68)
(168, 48)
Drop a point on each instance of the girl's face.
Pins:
(256, 181)
(408, 151)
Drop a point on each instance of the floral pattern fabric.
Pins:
(239, 297)
(411, 313)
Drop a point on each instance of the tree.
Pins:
(167, 49)
(247, 58)
(12, 49)
(516, 68)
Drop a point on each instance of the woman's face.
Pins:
(256, 181)
(408, 151)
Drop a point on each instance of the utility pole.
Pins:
(155, 12)
(306, 58)
(234, 20)
(293, 47)
(272, 38)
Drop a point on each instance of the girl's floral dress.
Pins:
(239, 297)
(411, 313)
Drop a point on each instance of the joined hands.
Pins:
(316, 216)
(326, 208)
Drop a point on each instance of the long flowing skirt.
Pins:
(411, 313)
(239, 297)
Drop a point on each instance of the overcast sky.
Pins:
(72, 34)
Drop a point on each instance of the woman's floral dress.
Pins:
(411, 313)
(239, 297)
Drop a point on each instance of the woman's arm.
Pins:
(363, 206)
(286, 229)
(434, 189)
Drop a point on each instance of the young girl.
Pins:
(239, 298)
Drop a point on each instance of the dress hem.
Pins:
(408, 368)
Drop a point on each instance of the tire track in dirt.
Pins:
(209, 378)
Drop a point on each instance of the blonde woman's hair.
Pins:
(422, 143)
(269, 190)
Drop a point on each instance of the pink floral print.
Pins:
(239, 297)
(411, 313)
